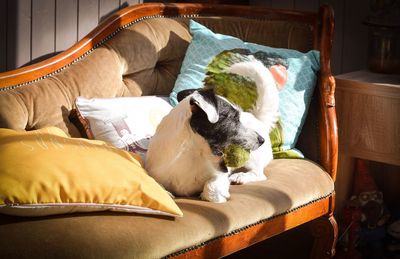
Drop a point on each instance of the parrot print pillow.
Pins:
(203, 65)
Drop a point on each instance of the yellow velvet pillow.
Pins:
(44, 172)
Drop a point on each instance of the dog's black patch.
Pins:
(227, 130)
(182, 94)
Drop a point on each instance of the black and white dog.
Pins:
(185, 154)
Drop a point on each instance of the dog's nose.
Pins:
(261, 140)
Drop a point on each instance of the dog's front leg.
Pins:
(216, 189)
(259, 159)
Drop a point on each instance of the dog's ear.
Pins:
(205, 101)
(184, 93)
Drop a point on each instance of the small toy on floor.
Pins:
(366, 216)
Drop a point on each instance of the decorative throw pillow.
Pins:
(124, 122)
(44, 172)
(294, 98)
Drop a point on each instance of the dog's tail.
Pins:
(266, 108)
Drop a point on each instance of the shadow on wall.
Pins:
(17, 18)
(108, 14)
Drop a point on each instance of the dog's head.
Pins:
(219, 122)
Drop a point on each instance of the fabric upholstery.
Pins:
(125, 122)
(294, 98)
(291, 183)
(143, 59)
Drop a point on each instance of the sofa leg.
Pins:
(325, 232)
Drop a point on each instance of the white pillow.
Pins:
(125, 122)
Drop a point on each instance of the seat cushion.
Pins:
(291, 184)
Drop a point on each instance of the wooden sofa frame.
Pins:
(324, 226)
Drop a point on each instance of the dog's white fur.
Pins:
(181, 160)
(266, 111)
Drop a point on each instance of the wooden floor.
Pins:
(295, 243)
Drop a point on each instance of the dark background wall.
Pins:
(31, 30)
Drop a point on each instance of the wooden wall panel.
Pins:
(130, 2)
(66, 24)
(43, 29)
(18, 33)
(355, 36)
(3, 35)
(310, 5)
(337, 47)
(266, 3)
(106, 7)
(283, 4)
(58, 24)
(88, 16)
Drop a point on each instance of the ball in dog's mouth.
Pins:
(236, 156)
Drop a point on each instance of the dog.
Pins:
(185, 153)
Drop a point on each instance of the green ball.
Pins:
(236, 156)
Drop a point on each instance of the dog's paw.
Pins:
(216, 190)
(242, 178)
(214, 197)
(239, 178)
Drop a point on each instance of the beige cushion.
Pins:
(292, 183)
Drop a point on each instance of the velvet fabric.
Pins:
(291, 183)
(145, 59)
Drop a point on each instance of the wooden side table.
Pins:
(368, 107)
(368, 111)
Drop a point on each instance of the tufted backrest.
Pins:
(142, 59)
(139, 57)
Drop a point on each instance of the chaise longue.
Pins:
(138, 51)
